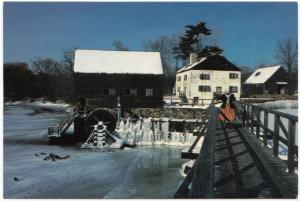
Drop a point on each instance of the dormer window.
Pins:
(257, 74)
(204, 76)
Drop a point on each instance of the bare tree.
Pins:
(245, 73)
(287, 54)
(119, 46)
(46, 70)
(165, 45)
(45, 66)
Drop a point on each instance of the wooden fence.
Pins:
(256, 119)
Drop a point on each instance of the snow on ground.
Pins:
(41, 105)
(281, 104)
(189, 106)
(142, 172)
(287, 106)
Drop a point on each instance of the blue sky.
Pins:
(248, 32)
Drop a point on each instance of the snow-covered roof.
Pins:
(212, 62)
(261, 75)
(117, 62)
(189, 66)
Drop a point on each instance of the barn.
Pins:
(106, 78)
(267, 80)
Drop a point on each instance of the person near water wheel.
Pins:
(227, 110)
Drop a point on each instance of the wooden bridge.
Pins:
(241, 160)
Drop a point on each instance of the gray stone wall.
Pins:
(175, 113)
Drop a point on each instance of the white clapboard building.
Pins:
(205, 77)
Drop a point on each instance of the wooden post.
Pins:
(244, 115)
(239, 112)
(247, 115)
(291, 145)
(169, 130)
(252, 118)
(257, 123)
(266, 124)
(276, 135)
(184, 129)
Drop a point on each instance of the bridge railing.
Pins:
(199, 181)
(257, 120)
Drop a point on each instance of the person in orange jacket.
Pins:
(227, 110)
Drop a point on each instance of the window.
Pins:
(178, 89)
(233, 76)
(185, 77)
(204, 88)
(204, 76)
(257, 74)
(233, 89)
(149, 92)
(130, 92)
(218, 90)
(178, 78)
(109, 92)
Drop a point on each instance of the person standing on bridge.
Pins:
(227, 110)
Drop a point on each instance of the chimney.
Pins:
(193, 57)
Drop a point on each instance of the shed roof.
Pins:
(261, 75)
(214, 62)
(117, 62)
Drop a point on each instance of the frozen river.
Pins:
(143, 172)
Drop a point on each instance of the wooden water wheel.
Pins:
(107, 116)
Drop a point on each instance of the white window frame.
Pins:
(204, 76)
(111, 92)
(204, 88)
(149, 92)
(233, 76)
(234, 87)
(133, 92)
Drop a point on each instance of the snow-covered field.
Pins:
(142, 172)
(285, 106)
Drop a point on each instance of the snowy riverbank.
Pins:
(280, 105)
(40, 105)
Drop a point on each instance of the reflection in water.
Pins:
(163, 158)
